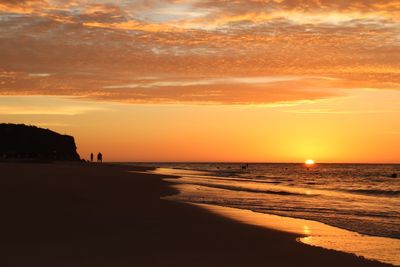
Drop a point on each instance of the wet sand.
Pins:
(103, 215)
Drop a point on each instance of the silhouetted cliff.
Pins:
(19, 141)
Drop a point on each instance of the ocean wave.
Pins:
(253, 190)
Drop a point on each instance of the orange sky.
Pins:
(186, 80)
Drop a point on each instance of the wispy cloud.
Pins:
(332, 111)
(39, 74)
(199, 81)
(355, 102)
(23, 105)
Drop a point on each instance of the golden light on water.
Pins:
(306, 230)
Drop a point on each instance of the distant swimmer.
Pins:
(99, 157)
(394, 175)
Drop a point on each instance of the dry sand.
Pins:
(102, 215)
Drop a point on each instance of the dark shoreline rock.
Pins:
(22, 142)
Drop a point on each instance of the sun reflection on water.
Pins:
(306, 230)
(318, 234)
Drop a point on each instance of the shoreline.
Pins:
(112, 215)
(310, 232)
(183, 172)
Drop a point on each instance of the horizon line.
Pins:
(255, 162)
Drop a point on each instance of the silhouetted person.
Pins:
(99, 157)
(394, 175)
(91, 157)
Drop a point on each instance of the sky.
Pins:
(187, 80)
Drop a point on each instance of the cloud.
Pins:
(99, 49)
(22, 6)
(357, 101)
(39, 74)
(153, 83)
(342, 112)
(27, 105)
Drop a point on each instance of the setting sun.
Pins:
(309, 162)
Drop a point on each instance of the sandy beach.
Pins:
(110, 215)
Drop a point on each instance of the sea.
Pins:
(362, 198)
